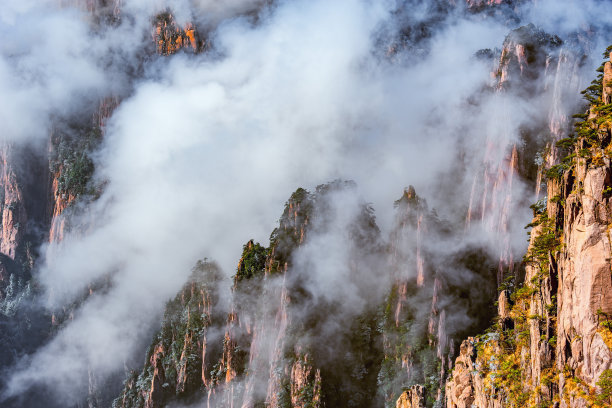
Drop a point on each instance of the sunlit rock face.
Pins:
(13, 209)
(412, 398)
(552, 343)
(606, 95)
(170, 38)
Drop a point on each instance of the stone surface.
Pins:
(412, 398)
(568, 297)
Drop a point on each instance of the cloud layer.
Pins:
(204, 150)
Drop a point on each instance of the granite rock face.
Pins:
(553, 341)
(412, 398)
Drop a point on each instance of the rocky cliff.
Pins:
(45, 191)
(170, 38)
(528, 63)
(42, 192)
(260, 358)
(180, 356)
(418, 341)
(279, 346)
(551, 343)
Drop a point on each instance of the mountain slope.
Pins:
(551, 343)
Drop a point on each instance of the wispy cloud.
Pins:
(203, 151)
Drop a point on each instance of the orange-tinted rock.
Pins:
(13, 211)
(170, 38)
(305, 377)
(503, 305)
(412, 398)
(155, 398)
(607, 82)
(585, 280)
(566, 304)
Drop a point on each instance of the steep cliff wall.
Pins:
(38, 187)
(279, 346)
(44, 191)
(419, 343)
(179, 359)
(551, 344)
(529, 65)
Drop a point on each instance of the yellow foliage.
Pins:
(606, 335)
(598, 159)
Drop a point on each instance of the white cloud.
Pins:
(203, 153)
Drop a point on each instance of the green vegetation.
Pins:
(556, 172)
(545, 244)
(72, 164)
(176, 349)
(509, 377)
(593, 93)
(538, 208)
(605, 320)
(604, 396)
(558, 199)
(253, 261)
(501, 351)
(408, 341)
(551, 308)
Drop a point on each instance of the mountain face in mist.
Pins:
(550, 343)
(280, 345)
(147, 152)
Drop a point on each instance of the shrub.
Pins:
(604, 396)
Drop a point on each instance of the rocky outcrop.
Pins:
(278, 346)
(412, 398)
(466, 388)
(23, 196)
(170, 38)
(584, 295)
(419, 344)
(180, 359)
(525, 52)
(14, 216)
(468, 385)
(24, 178)
(414, 334)
(554, 344)
(606, 95)
(305, 384)
(71, 167)
(155, 397)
